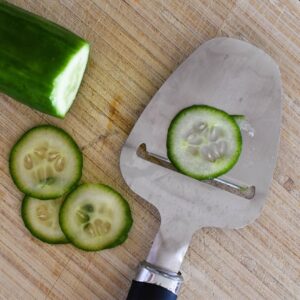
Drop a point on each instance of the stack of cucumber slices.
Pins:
(46, 165)
(203, 142)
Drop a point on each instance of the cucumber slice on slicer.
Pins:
(203, 142)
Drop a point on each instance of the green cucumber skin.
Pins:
(118, 241)
(33, 52)
(13, 171)
(27, 224)
(171, 155)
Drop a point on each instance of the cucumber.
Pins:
(95, 217)
(45, 163)
(203, 142)
(42, 219)
(41, 63)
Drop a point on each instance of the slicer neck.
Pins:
(167, 251)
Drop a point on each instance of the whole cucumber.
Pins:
(41, 63)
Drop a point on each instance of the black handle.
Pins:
(148, 291)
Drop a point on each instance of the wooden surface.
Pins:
(136, 44)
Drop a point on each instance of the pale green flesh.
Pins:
(42, 219)
(95, 217)
(67, 83)
(203, 142)
(45, 163)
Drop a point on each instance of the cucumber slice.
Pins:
(41, 219)
(95, 217)
(203, 142)
(45, 163)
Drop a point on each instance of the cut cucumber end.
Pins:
(45, 163)
(95, 217)
(41, 218)
(66, 85)
(203, 142)
(41, 63)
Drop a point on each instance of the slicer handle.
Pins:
(149, 291)
(154, 283)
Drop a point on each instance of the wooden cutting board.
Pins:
(136, 44)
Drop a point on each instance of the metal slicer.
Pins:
(238, 78)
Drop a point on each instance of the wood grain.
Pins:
(136, 44)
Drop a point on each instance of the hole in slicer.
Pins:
(245, 191)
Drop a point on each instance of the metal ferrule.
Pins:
(158, 276)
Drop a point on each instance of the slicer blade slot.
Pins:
(245, 191)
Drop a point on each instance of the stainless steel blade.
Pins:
(240, 79)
